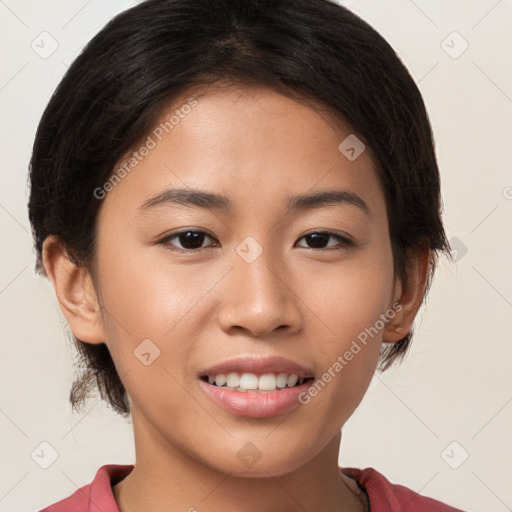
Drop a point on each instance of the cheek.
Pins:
(350, 302)
(349, 352)
(349, 296)
(148, 311)
(146, 295)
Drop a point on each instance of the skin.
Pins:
(256, 147)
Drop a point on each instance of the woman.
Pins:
(238, 205)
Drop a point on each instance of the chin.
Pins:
(251, 462)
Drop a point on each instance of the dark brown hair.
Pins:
(148, 55)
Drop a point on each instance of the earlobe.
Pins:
(75, 292)
(408, 295)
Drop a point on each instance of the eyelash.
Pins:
(345, 242)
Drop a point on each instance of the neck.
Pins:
(165, 479)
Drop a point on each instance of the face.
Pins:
(254, 279)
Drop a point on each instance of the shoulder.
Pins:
(96, 495)
(385, 496)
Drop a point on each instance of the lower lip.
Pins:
(253, 404)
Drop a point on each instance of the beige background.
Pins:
(453, 395)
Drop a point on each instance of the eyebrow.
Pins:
(202, 199)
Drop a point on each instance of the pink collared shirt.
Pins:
(383, 495)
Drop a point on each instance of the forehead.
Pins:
(250, 144)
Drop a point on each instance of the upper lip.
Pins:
(258, 366)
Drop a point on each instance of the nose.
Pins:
(258, 298)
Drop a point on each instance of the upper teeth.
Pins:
(245, 381)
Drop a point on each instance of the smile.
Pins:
(255, 403)
(244, 382)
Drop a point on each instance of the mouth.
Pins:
(255, 395)
(256, 374)
(252, 382)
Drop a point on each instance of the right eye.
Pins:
(190, 239)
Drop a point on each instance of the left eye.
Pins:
(319, 237)
(192, 240)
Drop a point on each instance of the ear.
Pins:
(75, 292)
(408, 295)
